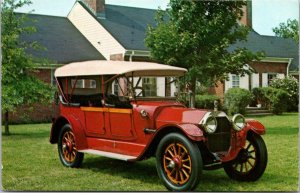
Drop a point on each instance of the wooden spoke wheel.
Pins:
(68, 154)
(251, 161)
(179, 162)
(68, 146)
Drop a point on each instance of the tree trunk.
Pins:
(6, 123)
(192, 95)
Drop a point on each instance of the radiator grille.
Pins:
(220, 140)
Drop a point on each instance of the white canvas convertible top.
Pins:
(103, 67)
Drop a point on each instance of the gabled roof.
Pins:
(64, 43)
(127, 25)
(272, 46)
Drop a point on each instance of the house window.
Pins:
(235, 81)
(149, 85)
(116, 87)
(53, 81)
(271, 77)
(83, 83)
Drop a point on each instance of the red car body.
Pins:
(134, 133)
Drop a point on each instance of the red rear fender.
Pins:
(77, 128)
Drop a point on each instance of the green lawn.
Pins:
(31, 163)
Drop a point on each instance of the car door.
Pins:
(94, 121)
(121, 125)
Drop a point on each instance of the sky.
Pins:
(266, 14)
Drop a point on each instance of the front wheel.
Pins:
(178, 162)
(68, 154)
(251, 161)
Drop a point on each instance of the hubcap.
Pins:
(177, 163)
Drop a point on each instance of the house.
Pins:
(118, 32)
(95, 30)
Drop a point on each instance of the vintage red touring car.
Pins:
(129, 111)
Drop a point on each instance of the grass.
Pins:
(31, 163)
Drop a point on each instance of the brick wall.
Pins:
(96, 5)
(269, 67)
(217, 90)
(116, 57)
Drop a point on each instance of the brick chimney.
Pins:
(97, 6)
(247, 16)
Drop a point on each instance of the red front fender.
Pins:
(256, 126)
(192, 131)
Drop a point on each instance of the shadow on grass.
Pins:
(27, 134)
(142, 170)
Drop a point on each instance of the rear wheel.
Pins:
(178, 162)
(68, 154)
(251, 161)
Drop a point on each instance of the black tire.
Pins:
(251, 161)
(68, 154)
(181, 169)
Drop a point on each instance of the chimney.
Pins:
(96, 6)
(247, 16)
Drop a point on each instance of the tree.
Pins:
(19, 85)
(197, 35)
(290, 29)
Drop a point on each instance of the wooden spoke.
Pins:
(250, 163)
(185, 160)
(170, 152)
(249, 145)
(181, 175)
(167, 158)
(246, 167)
(241, 169)
(176, 176)
(186, 166)
(185, 173)
(174, 149)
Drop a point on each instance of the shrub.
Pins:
(274, 99)
(258, 95)
(207, 101)
(291, 86)
(237, 99)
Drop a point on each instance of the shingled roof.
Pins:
(64, 43)
(128, 26)
(272, 46)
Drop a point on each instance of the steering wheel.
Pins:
(141, 93)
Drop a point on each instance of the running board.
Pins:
(109, 154)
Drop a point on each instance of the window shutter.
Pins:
(228, 83)
(244, 82)
(255, 80)
(265, 79)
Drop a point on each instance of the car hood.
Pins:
(176, 114)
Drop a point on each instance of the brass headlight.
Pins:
(209, 123)
(238, 122)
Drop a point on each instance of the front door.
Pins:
(121, 125)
